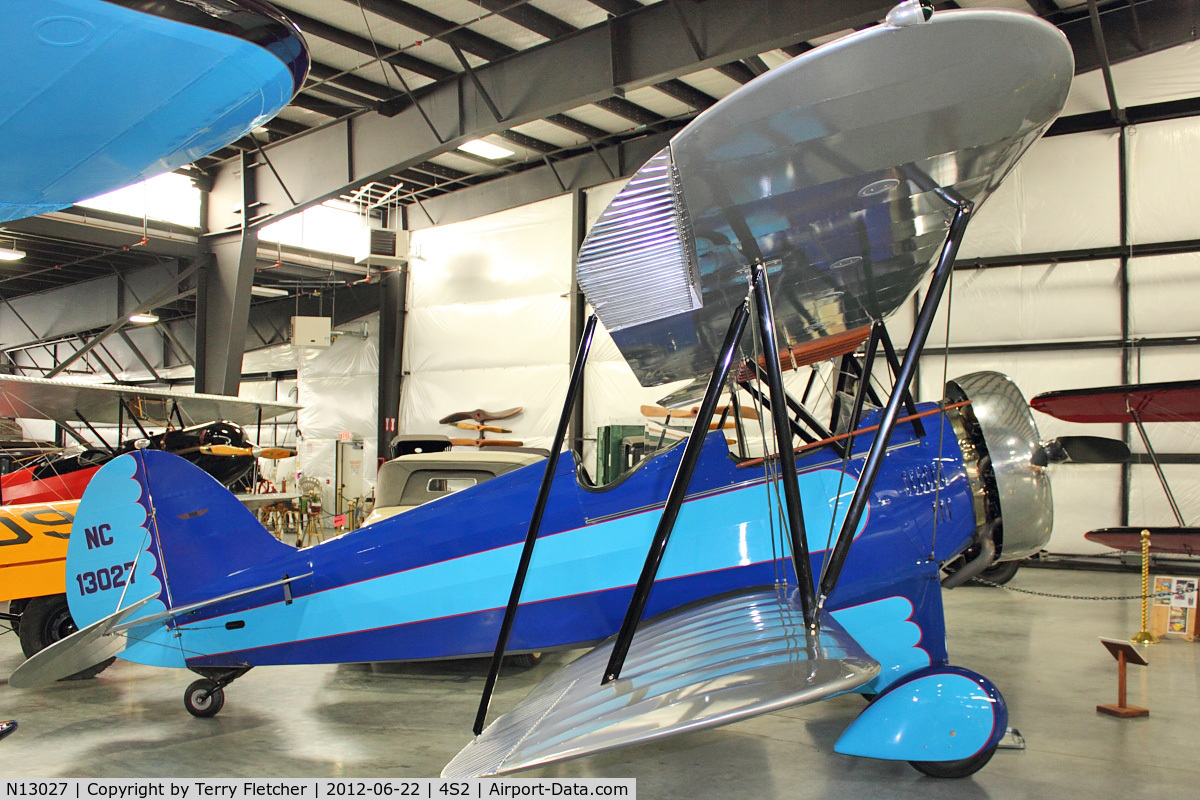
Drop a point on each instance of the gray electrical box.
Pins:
(312, 331)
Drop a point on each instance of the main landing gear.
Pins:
(206, 697)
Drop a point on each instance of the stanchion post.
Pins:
(1144, 636)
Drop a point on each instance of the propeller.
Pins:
(271, 453)
(480, 415)
(684, 413)
(473, 426)
(1081, 450)
(487, 442)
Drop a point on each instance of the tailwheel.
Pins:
(524, 660)
(961, 768)
(204, 698)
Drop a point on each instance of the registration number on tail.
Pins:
(104, 578)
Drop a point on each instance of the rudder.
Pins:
(186, 532)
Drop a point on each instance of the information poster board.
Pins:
(1173, 611)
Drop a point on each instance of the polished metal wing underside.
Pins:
(710, 665)
(831, 169)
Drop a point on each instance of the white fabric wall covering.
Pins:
(539, 389)
(1164, 172)
(1148, 502)
(1035, 372)
(488, 321)
(1155, 364)
(1063, 195)
(1086, 497)
(338, 388)
(1039, 303)
(1171, 74)
(1163, 293)
(455, 337)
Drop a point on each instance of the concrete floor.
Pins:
(408, 721)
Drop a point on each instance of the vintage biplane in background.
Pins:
(780, 228)
(40, 494)
(1136, 404)
(220, 69)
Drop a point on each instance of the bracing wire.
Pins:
(768, 478)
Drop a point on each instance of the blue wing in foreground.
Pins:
(711, 665)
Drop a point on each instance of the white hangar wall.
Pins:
(488, 321)
(1057, 324)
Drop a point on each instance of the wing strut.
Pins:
(1137, 420)
(783, 437)
(887, 424)
(535, 522)
(679, 486)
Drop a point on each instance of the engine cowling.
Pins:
(1002, 450)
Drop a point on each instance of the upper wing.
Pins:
(39, 398)
(1173, 401)
(832, 169)
(711, 665)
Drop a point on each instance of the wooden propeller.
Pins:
(473, 426)
(272, 453)
(487, 442)
(686, 413)
(480, 415)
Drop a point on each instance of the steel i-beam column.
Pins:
(227, 297)
(393, 290)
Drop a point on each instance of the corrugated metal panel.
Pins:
(633, 266)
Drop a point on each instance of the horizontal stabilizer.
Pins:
(82, 649)
(708, 666)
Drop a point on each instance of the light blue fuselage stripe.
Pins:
(720, 532)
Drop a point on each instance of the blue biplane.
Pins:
(779, 228)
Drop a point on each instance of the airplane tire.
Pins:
(524, 660)
(955, 769)
(200, 706)
(45, 621)
(1001, 572)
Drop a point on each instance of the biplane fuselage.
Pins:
(432, 583)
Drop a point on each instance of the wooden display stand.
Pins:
(1124, 653)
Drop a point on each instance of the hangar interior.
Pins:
(426, 194)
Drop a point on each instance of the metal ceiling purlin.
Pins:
(642, 48)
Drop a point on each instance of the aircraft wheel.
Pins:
(1001, 572)
(525, 660)
(955, 769)
(45, 621)
(200, 706)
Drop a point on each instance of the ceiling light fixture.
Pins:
(484, 149)
(268, 291)
(143, 319)
(11, 253)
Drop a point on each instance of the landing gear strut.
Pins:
(206, 697)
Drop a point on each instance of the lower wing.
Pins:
(710, 665)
